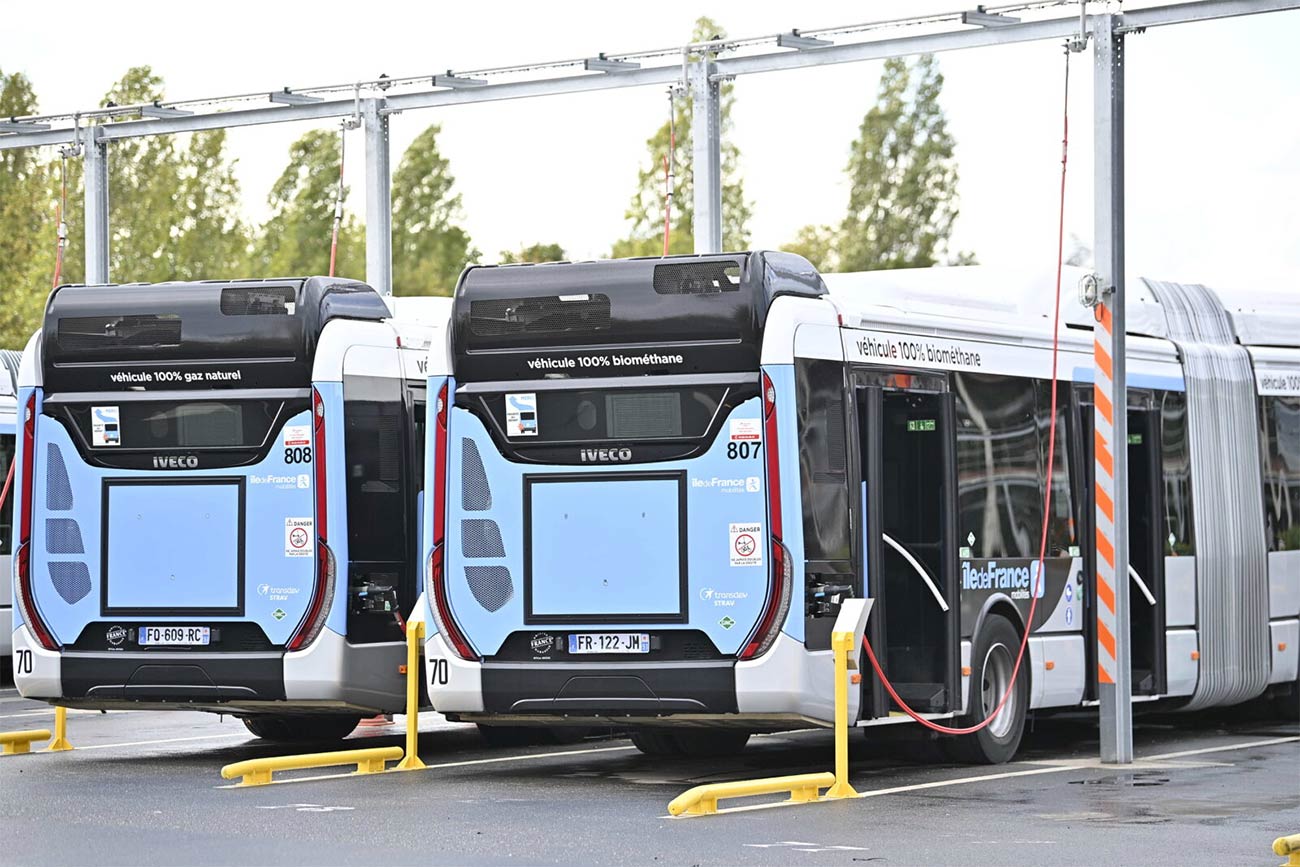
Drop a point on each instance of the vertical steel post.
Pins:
(95, 157)
(379, 201)
(706, 155)
(1110, 400)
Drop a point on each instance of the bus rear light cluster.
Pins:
(781, 581)
(322, 597)
(437, 573)
(23, 555)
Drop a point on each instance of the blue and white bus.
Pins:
(218, 501)
(656, 480)
(9, 361)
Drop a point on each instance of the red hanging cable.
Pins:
(9, 480)
(338, 200)
(61, 228)
(1051, 461)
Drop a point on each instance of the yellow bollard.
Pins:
(842, 643)
(60, 742)
(411, 761)
(1288, 846)
(13, 743)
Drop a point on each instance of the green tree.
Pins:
(27, 228)
(816, 244)
(214, 239)
(646, 211)
(295, 241)
(534, 253)
(902, 175)
(429, 249)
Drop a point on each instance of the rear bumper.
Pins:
(198, 678)
(610, 689)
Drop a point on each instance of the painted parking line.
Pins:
(1082, 765)
(462, 764)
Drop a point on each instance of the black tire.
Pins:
(301, 728)
(992, 660)
(655, 742)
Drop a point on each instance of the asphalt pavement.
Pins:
(144, 788)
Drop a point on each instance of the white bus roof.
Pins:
(1009, 299)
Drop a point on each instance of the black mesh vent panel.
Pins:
(58, 491)
(696, 278)
(480, 538)
(475, 495)
(63, 536)
(491, 585)
(70, 580)
(543, 315)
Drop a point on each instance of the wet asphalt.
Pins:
(144, 788)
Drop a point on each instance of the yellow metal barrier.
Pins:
(1288, 846)
(257, 772)
(704, 799)
(12, 743)
(803, 788)
(411, 761)
(60, 742)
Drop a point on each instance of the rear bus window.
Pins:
(7, 509)
(188, 425)
(615, 414)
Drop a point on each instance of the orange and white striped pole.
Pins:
(1110, 400)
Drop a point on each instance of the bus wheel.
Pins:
(301, 728)
(992, 659)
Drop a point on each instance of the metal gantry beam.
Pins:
(874, 49)
(379, 203)
(706, 155)
(95, 157)
(1110, 399)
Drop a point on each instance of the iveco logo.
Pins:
(605, 456)
(175, 462)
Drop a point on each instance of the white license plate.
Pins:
(610, 642)
(175, 636)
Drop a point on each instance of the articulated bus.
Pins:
(218, 500)
(657, 480)
(9, 361)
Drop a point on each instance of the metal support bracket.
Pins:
(95, 156)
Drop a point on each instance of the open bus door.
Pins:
(908, 499)
(1146, 572)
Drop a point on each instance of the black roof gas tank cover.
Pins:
(674, 315)
(202, 334)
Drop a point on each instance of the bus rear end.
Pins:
(171, 501)
(608, 547)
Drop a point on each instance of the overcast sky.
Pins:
(1213, 165)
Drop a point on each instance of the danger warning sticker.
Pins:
(297, 435)
(746, 430)
(746, 547)
(297, 537)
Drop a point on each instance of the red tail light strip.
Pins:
(437, 570)
(24, 553)
(778, 597)
(322, 596)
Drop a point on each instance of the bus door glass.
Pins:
(1146, 545)
(909, 499)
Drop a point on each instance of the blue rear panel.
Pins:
(629, 534)
(174, 546)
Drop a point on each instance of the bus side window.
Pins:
(823, 459)
(7, 448)
(377, 479)
(1281, 472)
(1177, 468)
